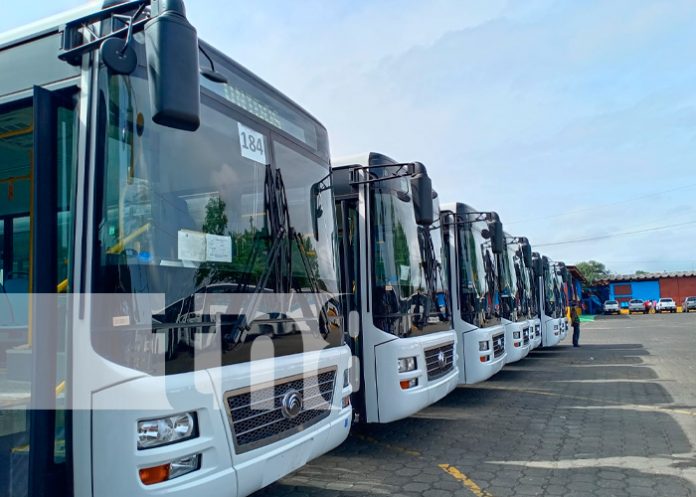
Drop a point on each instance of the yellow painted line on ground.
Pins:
(465, 480)
(590, 399)
(396, 448)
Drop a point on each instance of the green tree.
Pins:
(639, 272)
(593, 271)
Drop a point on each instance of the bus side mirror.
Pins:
(497, 236)
(315, 209)
(172, 64)
(422, 189)
(527, 254)
(353, 324)
(537, 266)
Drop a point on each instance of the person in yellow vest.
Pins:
(575, 320)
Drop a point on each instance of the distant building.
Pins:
(576, 284)
(652, 286)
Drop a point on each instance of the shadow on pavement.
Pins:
(572, 422)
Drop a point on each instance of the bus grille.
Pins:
(438, 364)
(499, 345)
(261, 417)
(525, 336)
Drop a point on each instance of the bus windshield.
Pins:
(222, 211)
(550, 292)
(478, 294)
(399, 286)
(430, 239)
(511, 291)
(523, 283)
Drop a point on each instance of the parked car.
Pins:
(689, 304)
(611, 307)
(666, 304)
(637, 305)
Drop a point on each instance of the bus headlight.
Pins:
(516, 334)
(346, 378)
(407, 364)
(167, 430)
(484, 346)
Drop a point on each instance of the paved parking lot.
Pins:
(615, 417)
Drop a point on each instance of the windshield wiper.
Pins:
(279, 260)
(431, 268)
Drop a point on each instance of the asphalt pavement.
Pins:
(615, 417)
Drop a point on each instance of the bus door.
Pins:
(348, 218)
(36, 171)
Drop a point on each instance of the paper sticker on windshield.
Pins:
(252, 144)
(191, 246)
(405, 273)
(218, 248)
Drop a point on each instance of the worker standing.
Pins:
(575, 320)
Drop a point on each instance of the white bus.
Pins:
(517, 333)
(522, 258)
(473, 281)
(549, 312)
(404, 347)
(562, 284)
(180, 209)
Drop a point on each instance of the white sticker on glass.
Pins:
(405, 273)
(252, 144)
(218, 248)
(191, 246)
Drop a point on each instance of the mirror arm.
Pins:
(399, 173)
(74, 45)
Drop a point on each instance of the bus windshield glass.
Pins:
(479, 276)
(511, 291)
(430, 239)
(400, 291)
(550, 292)
(213, 222)
(523, 283)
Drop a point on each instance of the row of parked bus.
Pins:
(194, 298)
(439, 294)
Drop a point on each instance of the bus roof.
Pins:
(53, 24)
(363, 159)
(46, 25)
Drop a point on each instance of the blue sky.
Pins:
(573, 120)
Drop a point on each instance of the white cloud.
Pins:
(528, 108)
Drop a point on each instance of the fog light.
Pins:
(407, 364)
(167, 430)
(406, 384)
(484, 345)
(517, 344)
(346, 401)
(175, 468)
(484, 358)
(516, 334)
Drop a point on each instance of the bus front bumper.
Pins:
(515, 346)
(551, 332)
(475, 365)
(222, 470)
(535, 333)
(403, 394)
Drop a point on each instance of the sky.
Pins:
(574, 120)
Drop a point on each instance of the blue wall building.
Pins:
(623, 291)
